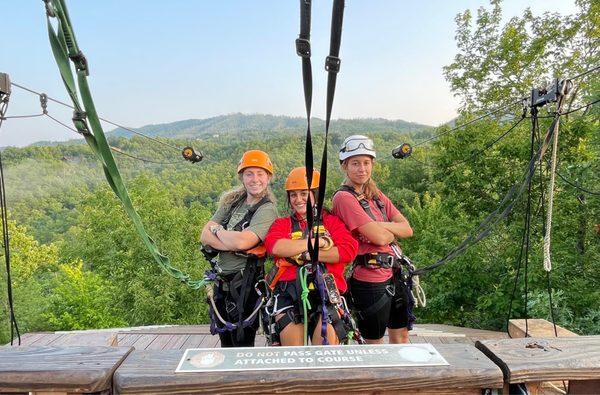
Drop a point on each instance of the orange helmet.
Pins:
(296, 180)
(255, 158)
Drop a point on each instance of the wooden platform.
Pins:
(198, 336)
(59, 369)
(143, 360)
(469, 371)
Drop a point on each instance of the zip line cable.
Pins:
(581, 107)
(578, 187)
(102, 119)
(14, 326)
(504, 208)
(44, 98)
(586, 72)
(115, 149)
(520, 101)
(477, 153)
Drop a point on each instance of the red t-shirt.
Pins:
(349, 210)
(346, 244)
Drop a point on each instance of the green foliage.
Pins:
(78, 262)
(81, 300)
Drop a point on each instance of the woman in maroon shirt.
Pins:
(381, 297)
(286, 241)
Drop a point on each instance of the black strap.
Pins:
(332, 66)
(244, 222)
(248, 277)
(364, 203)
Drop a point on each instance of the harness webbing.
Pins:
(245, 221)
(332, 65)
(65, 48)
(364, 203)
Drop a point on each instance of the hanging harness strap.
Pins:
(86, 121)
(332, 65)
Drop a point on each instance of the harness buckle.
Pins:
(391, 289)
(49, 9)
(80, 62)
(303, 47)
(332, 64)
(80, 122)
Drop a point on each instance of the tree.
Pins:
(500, 64)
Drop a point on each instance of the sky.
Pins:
(154, 62)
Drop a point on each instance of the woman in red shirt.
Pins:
(381, 295)
(286, 241)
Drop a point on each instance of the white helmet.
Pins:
(357, 144)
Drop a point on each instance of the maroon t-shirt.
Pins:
(349, 210)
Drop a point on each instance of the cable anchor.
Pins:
(44, 103)
(190, 154)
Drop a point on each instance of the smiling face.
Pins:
(358, 169)
(299, 199)
(256, 181)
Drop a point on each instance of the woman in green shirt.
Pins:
(235, 230)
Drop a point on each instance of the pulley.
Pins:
(402, 151)
(191, 155)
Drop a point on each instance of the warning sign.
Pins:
(309, 357)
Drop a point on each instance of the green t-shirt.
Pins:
(259, 224)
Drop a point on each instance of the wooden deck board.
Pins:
(176, 342)
(545, 359)
(60, 369)
(193, 341)
(127, 339)
(144, 341)
(153, 372)
(159, 342)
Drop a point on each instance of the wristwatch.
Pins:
(214, 229)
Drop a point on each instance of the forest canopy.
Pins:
(78, 263)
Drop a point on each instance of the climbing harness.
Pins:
(315, 278)
(402, 267)
(235, 288)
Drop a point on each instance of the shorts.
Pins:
(287, 296)
(393, 314)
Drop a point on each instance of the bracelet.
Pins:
(329, 243)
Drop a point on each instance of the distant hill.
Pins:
(235, 123)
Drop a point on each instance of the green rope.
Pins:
(303, 273)
(65, 48)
